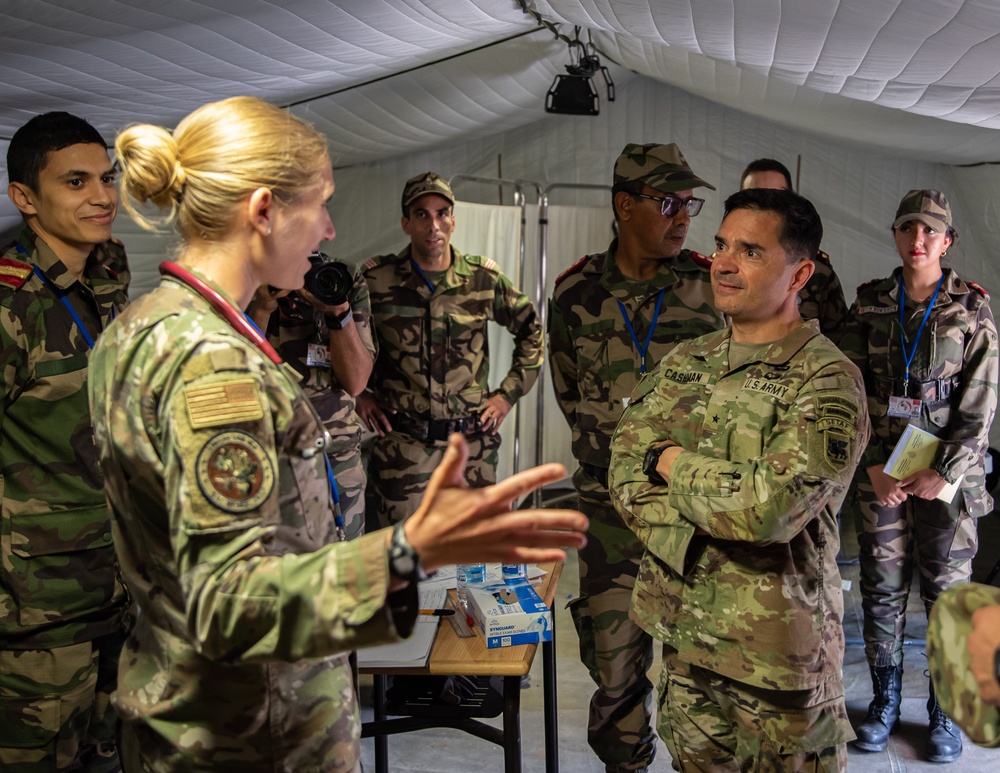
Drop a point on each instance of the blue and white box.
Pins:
(510, 613)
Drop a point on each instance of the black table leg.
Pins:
(381, 741)
(551, 713)
(512, 724)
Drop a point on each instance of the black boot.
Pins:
(883, 712)
(944, 740)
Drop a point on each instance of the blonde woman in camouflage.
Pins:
(218, 482)
(927, 343)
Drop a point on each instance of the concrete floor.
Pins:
(436, 751)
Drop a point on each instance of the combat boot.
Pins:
(883, 712)
(944, 740)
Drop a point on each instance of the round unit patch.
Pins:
(234, 472)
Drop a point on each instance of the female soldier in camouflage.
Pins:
(216, 473)
(927, 344)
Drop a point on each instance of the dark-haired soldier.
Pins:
(613, 315)
(63, 610)
(729, 464)
(822, 298)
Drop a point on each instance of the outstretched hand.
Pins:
(458, 525)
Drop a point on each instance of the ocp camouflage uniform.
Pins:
(739, 578)
(213, 459)
(300, 334)
(594, 369)
(433, 369)
(823, 298)
(62, 604)
(949, 661)
(954, 372)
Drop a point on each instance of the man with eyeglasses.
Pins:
(822, 298)
(612, 317)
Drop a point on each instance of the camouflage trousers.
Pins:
(712, 723)
(55, 708)
(616, 651)
(401, 466)
(941, 536)
(349, 473)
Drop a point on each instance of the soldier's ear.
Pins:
(803, 271)
(624, 202)
(404, 223)
(23, 198)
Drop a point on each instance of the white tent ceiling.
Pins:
(386, 77)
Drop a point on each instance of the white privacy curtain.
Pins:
(495, 231)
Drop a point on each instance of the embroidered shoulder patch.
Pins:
(225, 402)
(234, 472)
(979, 289)
(571, 270)
(705, 261)
(14, 273)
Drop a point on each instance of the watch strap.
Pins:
(338, 321)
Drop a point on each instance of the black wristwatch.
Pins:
(338, 321)
(651, 459)
(404, 563)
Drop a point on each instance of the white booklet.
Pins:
(915, 451)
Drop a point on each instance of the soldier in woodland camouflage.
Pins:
(216, 474)
(963, 653)
(62, 605)
(729, 464)
(927, 343)
(822, 298)
(431, 305)
(645, 291)
(333, 349)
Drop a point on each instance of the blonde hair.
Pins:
(216, 157)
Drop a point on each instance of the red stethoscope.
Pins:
(237, 319)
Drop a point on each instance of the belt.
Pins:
(600, 474)
(929, 391)
(436, 429)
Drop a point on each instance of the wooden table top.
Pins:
(453, 655)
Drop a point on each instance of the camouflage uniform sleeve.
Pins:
(854, 344)
(242, 602)
(767, 498)
(515, 311)
(834, 308)
(361, 310)
(562, 362)
(967, 436)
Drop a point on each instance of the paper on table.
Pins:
(415, 651)
(915, 451)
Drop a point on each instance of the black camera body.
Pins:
(328, 280)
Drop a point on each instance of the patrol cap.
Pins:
(422, 184)
(928, 206)
(659, 166)
(948, 657)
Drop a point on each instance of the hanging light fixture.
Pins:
(574, 93)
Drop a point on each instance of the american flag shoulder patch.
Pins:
(225, 402)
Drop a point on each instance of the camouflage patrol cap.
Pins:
(659, 166)
(930, 207)
(422, 184)
(948, 657)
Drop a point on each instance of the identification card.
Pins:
(318, 356)
(904, 407)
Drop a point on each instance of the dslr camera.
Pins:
(329, 280)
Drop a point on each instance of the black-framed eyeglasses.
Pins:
(671, 205)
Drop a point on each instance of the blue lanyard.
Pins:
(649, 334)
(69, 306)
(423, 276)
(908, 356)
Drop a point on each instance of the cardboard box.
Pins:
(508, 614)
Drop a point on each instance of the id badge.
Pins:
(318, 356)
(904, 407)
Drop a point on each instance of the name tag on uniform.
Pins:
(904, 407)
(318, 356)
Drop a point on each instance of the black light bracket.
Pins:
(574, 93)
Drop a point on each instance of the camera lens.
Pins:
(330, 281)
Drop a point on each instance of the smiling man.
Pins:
(612, 317)
(730, 464)
(430, 309)
(62, 607)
